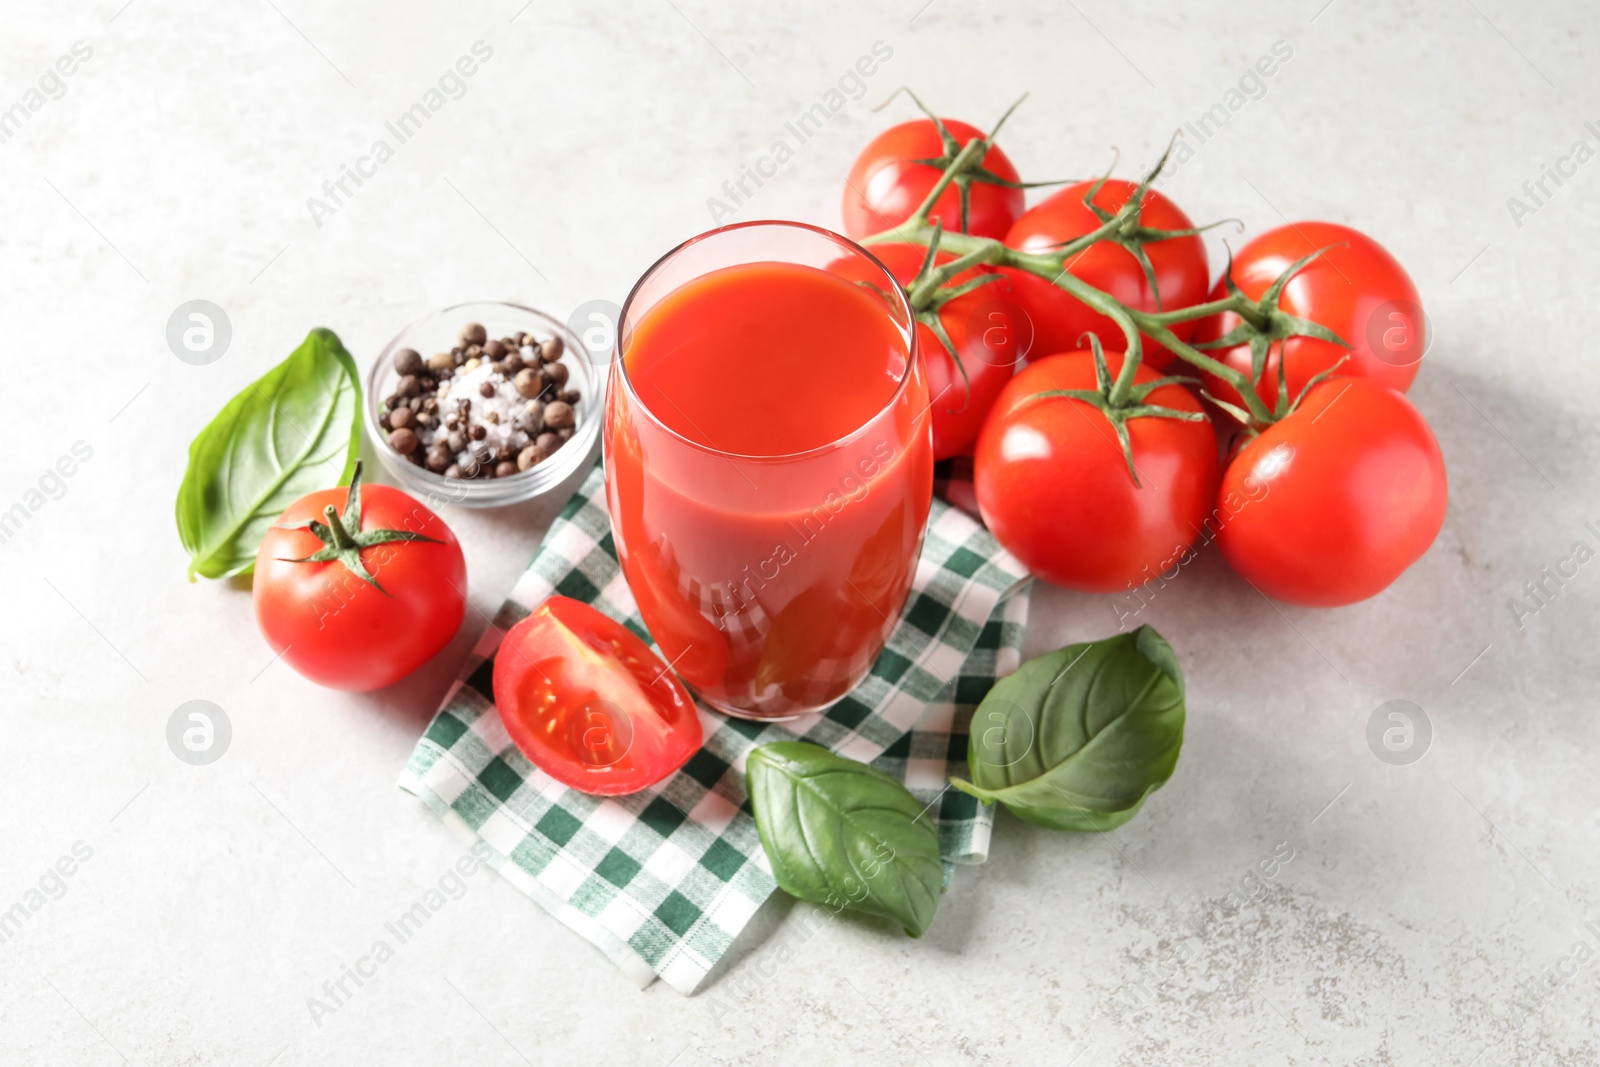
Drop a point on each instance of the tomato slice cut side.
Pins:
(589, 704)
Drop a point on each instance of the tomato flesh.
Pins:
(589, 704)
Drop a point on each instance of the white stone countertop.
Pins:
(1431, 914)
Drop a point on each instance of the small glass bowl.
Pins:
(439, 332)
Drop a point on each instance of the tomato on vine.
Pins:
(899, 167)
(1155, 262)
(1341, 486)
(979, 327)
(1089, 493)
(1353, 287)
(1345, 493)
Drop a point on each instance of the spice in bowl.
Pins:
(487, 408)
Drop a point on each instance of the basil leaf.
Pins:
(294, 430)
(1076, 739)
(842, 834)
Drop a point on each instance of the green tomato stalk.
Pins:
(343, 538)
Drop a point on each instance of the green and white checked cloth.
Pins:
(664, 880)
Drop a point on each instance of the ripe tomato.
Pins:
(332, 625)
(981, 325)
(1059, 319)
(1053, 486)
(589, 704)
(886, 184)
(1356, 289)
(1341, 496)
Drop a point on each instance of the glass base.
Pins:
(754, 716)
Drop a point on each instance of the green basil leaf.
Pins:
(842, 834)
(294, 430)
(1076, 739)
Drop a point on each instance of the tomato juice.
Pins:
(769, 473)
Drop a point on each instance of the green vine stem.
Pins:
(1262, 321)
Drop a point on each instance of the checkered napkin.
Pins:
(663, 881)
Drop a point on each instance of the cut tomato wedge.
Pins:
(589, 704)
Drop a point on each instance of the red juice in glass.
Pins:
(769, 464)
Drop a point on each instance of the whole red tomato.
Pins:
(1054, 488)
(982, 327)
(589, 704)
(1059, 319)
(1355, 288)
(886, 183)
(334, 625)
(1331, 504)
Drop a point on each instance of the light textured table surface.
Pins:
(1423, 904)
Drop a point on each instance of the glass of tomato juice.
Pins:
(769, 463)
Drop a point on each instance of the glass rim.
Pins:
(908, 333)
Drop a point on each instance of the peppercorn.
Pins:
(529, 382)
(559, 415)
(408, 361)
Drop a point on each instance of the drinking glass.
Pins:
(770, 582)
